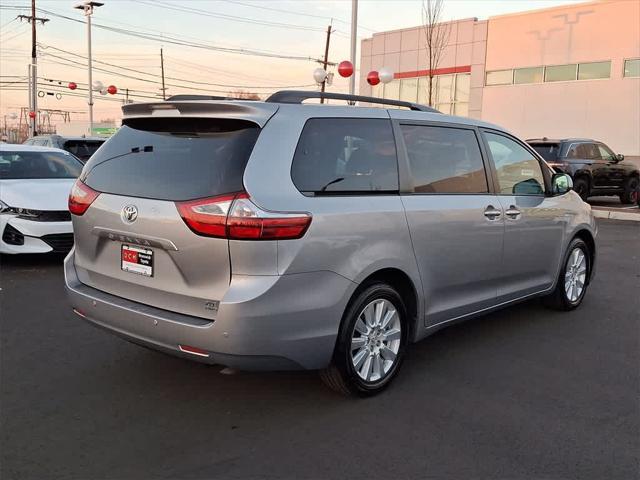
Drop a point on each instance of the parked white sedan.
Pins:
(34, 191)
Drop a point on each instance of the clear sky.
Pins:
(283, 27)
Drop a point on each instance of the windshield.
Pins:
(548, 151)
(173, 159)
(16, 165)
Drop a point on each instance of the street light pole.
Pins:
(87, 8)
(354, 31)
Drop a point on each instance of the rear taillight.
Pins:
(236, 217)
(81, 197)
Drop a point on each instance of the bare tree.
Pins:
(244, 95)
(436, 38)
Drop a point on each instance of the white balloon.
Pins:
(13, 116)
(97, 85)
(103, 91)
(319, 74)
(385, 75)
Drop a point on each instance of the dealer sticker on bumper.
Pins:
(137, 260)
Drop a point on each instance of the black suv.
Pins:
(595, 169)
(82, 147)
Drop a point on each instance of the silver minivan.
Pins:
(285, 235)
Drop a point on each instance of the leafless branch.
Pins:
(436, 38)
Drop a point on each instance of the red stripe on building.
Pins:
(437, 71)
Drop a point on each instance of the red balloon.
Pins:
(32, 114)
(112, 90)
(345, 69)
(373, 78)
(72, 85)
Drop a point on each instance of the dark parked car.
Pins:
(82, 147)
(595, 169)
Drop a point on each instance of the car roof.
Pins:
(560, 140)
(260, 112)
(71, 137)
(18, 147)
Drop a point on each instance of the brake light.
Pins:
(236, 217)
(81, 197)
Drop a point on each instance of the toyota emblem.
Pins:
(129, 213)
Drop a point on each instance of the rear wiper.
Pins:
(339, 179)
(146, 149)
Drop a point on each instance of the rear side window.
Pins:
(83, 149)
(173, 159)
(444, 160)
(548, 151)
(346, 155)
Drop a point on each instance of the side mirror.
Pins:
(619, 157)
(561, 183)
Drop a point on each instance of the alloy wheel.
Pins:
(575, 274)
(376, 340)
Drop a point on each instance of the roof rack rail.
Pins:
(298, 96)
(187, 96)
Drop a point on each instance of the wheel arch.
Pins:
(405, 286)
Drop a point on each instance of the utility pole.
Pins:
(87, 7)
(164, 90)
(354, 32)
(326, 60)
(33, 67)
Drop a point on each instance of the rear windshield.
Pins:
(83, 149)
(548, 151)
(173, 159)
(16, 165)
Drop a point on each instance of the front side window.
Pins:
(605, 152)
(346, 155)
(16, 165)
(518, 171)
(444, 160)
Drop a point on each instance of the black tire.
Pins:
(341, 375)
(558, 299)
(631, 193)
(581, 187)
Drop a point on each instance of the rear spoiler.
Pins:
(256, 112)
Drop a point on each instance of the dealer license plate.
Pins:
(137, 260)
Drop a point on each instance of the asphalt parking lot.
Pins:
(525, 393)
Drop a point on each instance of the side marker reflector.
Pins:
(193, 350)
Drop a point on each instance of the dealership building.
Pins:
(571, 71)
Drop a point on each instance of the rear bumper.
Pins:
(263, 323)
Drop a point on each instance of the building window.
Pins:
(632, 67)
(499, 77)
(392, 90)
(591, 71)
(409, 89)
(528, 75)
(560, 73)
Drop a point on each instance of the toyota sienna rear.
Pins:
(279, 235)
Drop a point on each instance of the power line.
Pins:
(280, 10)
(46, 47)
(232, 18)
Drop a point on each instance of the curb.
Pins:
(616, 215)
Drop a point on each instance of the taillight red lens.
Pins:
(207, 216)
(235, 217)
(81, 197)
